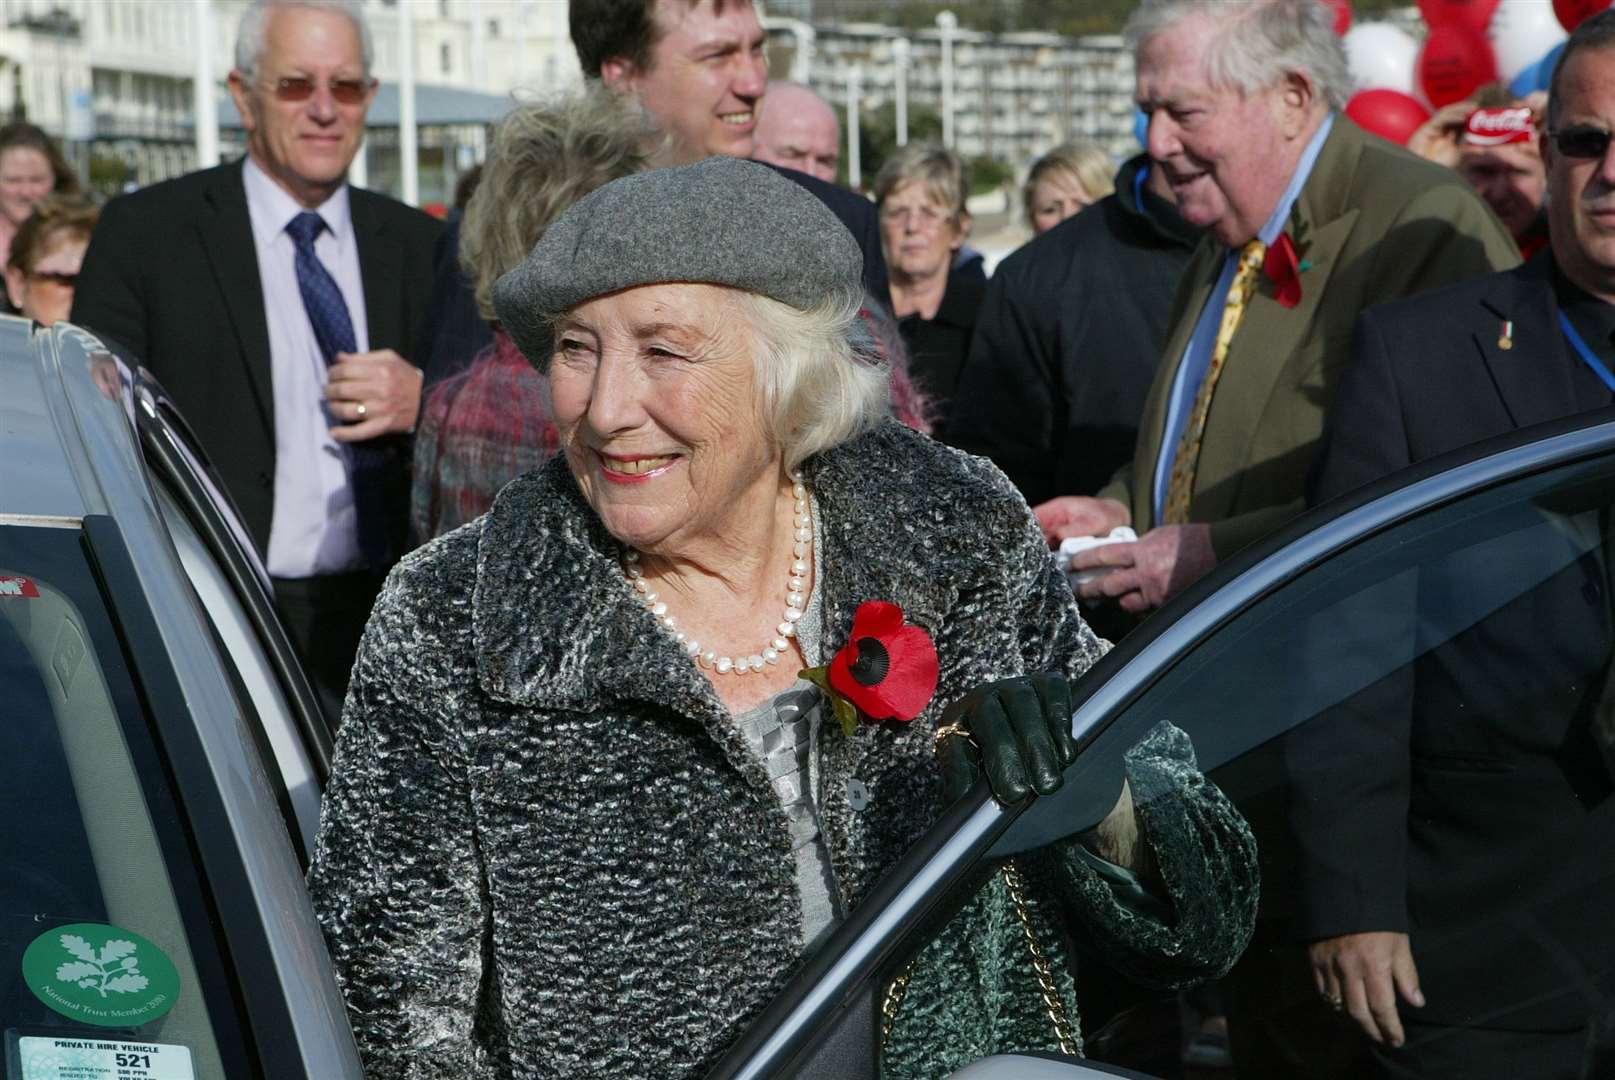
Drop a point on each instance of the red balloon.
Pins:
(1390, 114)
(1343, 15)
(1475, 13)
(1572, 12)
(1455, 61)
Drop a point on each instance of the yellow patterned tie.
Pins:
(1181, 484)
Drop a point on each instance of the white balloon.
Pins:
(1522, 31)
(1380, 56)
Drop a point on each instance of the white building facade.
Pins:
(1014, 96)
(113, 78)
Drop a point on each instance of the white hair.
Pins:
(819, 376)
(250, 31)
(1257, 42)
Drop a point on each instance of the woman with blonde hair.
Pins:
(1063, 181)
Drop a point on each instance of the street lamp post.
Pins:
(947, 22)
(900, 63)
(204, 104)
(855, 177)
(408, 150)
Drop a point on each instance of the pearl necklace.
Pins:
(795, 600)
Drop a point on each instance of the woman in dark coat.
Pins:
(921, 191)
(586, 818)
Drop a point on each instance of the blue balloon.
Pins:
(1536, 76)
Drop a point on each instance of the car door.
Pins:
(1420, 670)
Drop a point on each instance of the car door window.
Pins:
(1439, 658)
(1411, 727)
(98, 870)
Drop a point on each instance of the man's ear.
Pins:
(16, 286)
(618, 72)
(241, 95)
(1298, 94)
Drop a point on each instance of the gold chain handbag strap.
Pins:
(1052, 1002)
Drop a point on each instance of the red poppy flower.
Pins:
(887, 670)
(1283, 269)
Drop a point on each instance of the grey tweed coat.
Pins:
(546, 852)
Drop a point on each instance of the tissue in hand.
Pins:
(1073, 544)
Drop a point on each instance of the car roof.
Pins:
(70, 448)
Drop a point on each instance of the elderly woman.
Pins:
(482, 428)
(46, 255)
(1067, 179)
(586, 816)
(920, 192)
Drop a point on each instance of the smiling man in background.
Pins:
(697, 66)
(1308, 220)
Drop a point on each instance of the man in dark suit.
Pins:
(1308, 219)
(271, 300)
(1455, 821)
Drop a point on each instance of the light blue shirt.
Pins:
(314, 528)
(1197, 357)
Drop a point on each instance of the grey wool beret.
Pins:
(721, 221)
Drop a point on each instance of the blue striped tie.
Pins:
(333, 329)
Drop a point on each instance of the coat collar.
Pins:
(557, 627)
(1533, 375)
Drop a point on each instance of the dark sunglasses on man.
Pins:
(1581, 141)
(295, 88)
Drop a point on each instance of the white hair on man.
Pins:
(1257, 42)
(250, 32)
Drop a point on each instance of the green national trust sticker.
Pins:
(100, 974)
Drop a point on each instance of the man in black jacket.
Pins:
(1068, 339)
(1455, 820)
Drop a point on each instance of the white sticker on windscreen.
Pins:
(102, 1059)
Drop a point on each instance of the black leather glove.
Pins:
(1021, 732)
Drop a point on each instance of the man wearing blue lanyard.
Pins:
(1399, 906)
(1309, 219)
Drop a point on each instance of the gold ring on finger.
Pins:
(360, 410)
(955, 728)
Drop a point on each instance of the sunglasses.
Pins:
(66, 281)
(295, 88)
(1581, 141)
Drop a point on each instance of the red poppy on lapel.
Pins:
(886, 671)
(1283, 269)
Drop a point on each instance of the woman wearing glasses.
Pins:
(921, 194)
(46, 253)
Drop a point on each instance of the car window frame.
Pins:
(883, 933)
(172, 449)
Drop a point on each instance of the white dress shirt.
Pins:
(314, 529)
